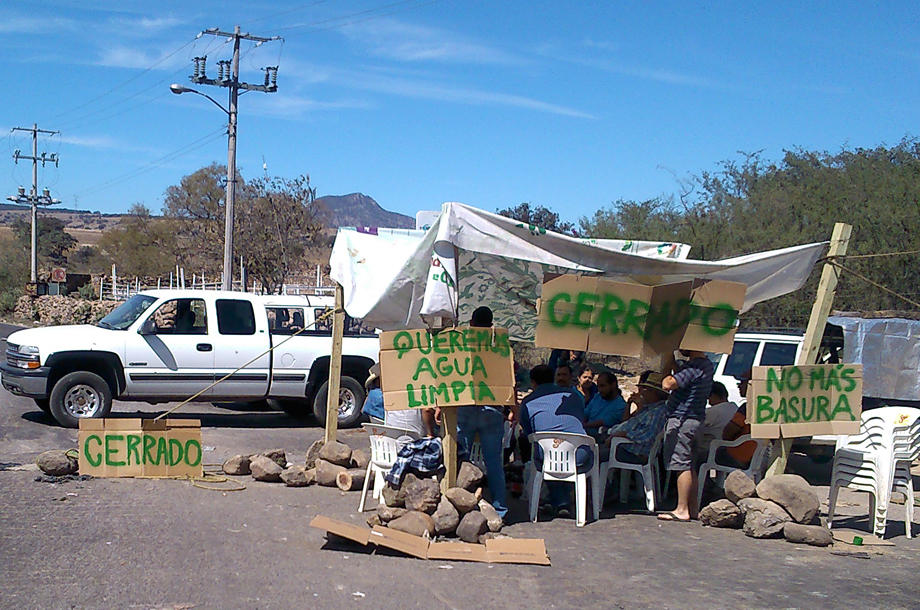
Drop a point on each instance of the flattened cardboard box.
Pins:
(622, 318)
(499, 550)
(456, 367)
(802, 400)
(130, 447)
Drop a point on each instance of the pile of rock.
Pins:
(784, 505)
(418, 507)
(52, 309)
(331, 464)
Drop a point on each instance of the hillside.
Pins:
(359, 210)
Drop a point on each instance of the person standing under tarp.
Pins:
(489, 423)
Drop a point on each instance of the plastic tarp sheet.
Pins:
(889, 351)
(469, 257)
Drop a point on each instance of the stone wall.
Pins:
(54, 310)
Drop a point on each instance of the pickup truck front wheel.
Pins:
(351, 399)
(79, 395)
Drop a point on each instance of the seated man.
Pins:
(741, 455)
(563, 378)
(646, 423)
(719, 412)
(549, 408)
(607, 407)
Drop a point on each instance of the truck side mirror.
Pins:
(148, 327)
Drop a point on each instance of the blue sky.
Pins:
(571, 105)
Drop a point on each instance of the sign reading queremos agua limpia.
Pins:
(805, 400)
(599, 315)
(133, 447)
(453, 368)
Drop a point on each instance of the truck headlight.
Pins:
(23, 356)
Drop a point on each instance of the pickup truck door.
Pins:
(174, 358)
(293, 355)
(241, 336)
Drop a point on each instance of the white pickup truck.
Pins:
(167, 345)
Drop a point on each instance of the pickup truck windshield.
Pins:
(125, 314)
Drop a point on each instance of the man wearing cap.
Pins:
(690, 386)
(489, 423)
(646, 423)
(373, 404)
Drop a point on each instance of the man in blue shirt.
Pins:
(690, 386)
(549, 408)
(563, 378)
(373, 404)
(606, 408)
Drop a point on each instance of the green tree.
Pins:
(276, 227)
(53, 241)
(195, 206)
(539, 216)
(141, 245)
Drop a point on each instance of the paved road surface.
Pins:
(146, 543)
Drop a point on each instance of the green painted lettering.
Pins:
(424, 365)
(821, 404)
(816, 379)
(764, 409)
(402, 343)
(846, 376)
(191, 445)
(440, 344)
(176, 452)
(551, 309)
(780, 414)
(484, 392)
(109, 450)
(808, 410)
(584, 309)
(832, 380)
(607, 318)
(410, 395)
(133, 441)
(725, 317)
(793, 375)
(792, 414)
(162, 451)
(443, 366)
(465, 369)
(149, 444)
(455, 339)
(440, 390)
(89, 456)
(774, 383)
(426, 349)
(635, 317)
(843, 406)
(457, 387)
(478, 367)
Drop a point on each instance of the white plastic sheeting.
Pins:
(889, 351)
(398, 278)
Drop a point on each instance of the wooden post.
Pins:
(335, 365)
(824, 300)
(449, 447)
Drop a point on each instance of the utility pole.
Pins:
(33, 198)
(228, 75)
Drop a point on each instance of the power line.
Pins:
(313, 26)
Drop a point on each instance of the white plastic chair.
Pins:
(384, 448)
(648, 471)
(877, 461)
(754, 469)
(559, 465)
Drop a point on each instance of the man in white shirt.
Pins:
(718, 413)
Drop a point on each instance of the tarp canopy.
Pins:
(396, 278)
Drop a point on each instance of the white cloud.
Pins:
(35, 25)
(402, 41)
(122, 56)
(293, 107)
(102, 142)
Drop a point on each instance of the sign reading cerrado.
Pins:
(136, 447)
(452, 368)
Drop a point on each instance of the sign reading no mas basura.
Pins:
(453, 368)
(607, 317)
(133, 447)
(805, 400)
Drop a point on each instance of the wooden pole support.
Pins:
(335, 366)
(811, 345)
(449, 447)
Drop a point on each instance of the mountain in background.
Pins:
(359, 210)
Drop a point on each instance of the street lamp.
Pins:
(227, 281)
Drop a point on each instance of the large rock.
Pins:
(721, 513)
(57, 463)
(327, 472)
(388, 513)
(763, 518)
(472, 525)
(492, 519)
(277, 456)
(423, 495)
(359, 459)
(793, 493)
(336, 453)
(236, 465)
(415, 523)
(462, 500)
(739, 486)
(298, 476)
(392, 497)
(814, 535)
(446, 518)
(469, 477)
(265, 469)
(312, 454)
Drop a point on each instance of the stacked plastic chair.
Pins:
(877, 461)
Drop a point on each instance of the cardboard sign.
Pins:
(593, 314)
(134, 447)
(499, 550)
(805, 400)
(453, 368)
